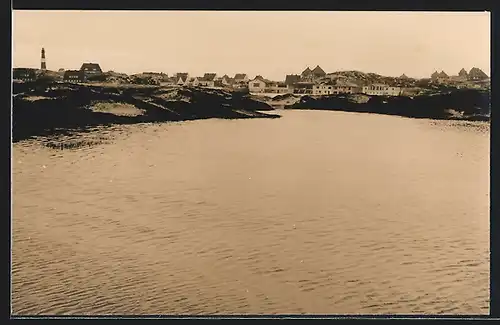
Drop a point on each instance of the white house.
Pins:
(258, 85)
(381, 90)
(346, 88)
(328, 88)
(322, 89)
(261, 85)
(278, 88)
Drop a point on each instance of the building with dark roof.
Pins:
(291, 79)
(209, 76)
(74, 76)
(181, 78)
(477, 74)
(318, 72)
(23, 74)
(307, 73)
(463, 73)
(240, 77)
(443, 74)
(91, 69)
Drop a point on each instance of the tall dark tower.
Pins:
(44, 65)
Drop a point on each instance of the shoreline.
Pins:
(462, 105)
(61, 108)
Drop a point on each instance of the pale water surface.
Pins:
(316, 213)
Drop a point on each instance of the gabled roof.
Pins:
(240, 76)
(435, 74)
(462, 72)
(318, 71)
(267, 81)
(477, 73)
(307, 71)
(182, 76)
(442, 74)
(403, 76)
(90, 66)
(208, 77)
(229, 80)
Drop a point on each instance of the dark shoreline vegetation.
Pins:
(466, 104)
(52, 109)
(56, 109)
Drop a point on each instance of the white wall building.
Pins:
(322, 89)
(331, 89)
(381, 90)
(257, 85)
(261, 85)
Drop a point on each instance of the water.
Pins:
(313, 213)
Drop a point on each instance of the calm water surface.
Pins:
(316, 213)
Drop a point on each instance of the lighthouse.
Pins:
(44, 65)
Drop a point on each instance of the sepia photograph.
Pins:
(231, 163)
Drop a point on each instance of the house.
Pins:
(381, 90)
(443, 77)
(322, 89)
(477, 74)
(208, 80)
(193, 82)
(226, 81)
(329, 88)
(463, 74)
(258, 84)
(23, 74)
(91, 69)
(346, 88)
(303, 87)
(440, 77)
(278, 88)
(262, 85)
(240, 77)
(181, 78)
(292, 79)
(74, 76)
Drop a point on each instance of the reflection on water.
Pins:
(316, 213)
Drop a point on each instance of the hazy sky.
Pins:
(272, 44)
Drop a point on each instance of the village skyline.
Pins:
(231, 42)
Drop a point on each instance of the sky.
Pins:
(268, 43)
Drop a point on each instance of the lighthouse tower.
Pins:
(44, 64)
